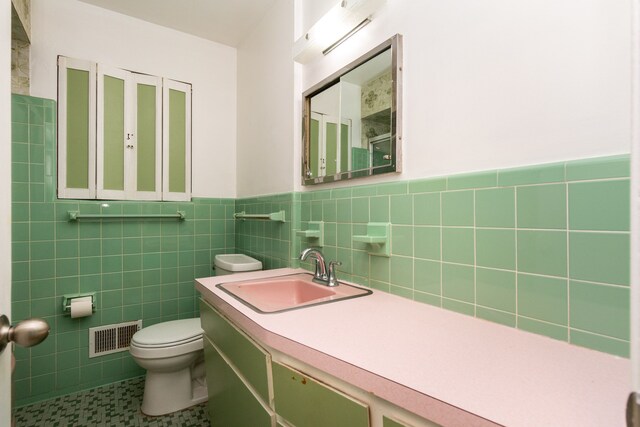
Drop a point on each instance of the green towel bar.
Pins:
(77, 216)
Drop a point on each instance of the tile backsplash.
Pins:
(542, 248)
(139, 269)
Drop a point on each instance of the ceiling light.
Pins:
(337, 25)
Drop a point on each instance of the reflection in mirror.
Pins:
(352, 119)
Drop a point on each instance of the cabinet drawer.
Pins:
(231, 403)
(305, 402)
(250, 360)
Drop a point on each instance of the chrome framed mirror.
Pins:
(352, 120)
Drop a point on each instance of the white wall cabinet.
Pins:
(122, 135)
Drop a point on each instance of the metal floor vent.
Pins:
(112, 338)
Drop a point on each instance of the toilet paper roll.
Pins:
(81, 307)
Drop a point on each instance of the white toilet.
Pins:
(172, 353)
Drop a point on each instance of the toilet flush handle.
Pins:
(27, 333)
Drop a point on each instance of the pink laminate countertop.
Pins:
(447, 367)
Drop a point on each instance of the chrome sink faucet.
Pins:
(323, 275)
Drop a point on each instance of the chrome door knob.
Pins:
(27, 333)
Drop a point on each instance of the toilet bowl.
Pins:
(172, 353)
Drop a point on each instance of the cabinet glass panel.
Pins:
(331, 132)
(344, 147)
(77, 128)
(177, 141)
(314, 141)
(146, 137)
(114, 130)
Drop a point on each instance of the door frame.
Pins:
(5, 202)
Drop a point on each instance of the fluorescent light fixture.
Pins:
(337, 25)
(346, 36)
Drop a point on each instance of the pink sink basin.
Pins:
(290, 292)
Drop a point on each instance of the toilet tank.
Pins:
(235, 263)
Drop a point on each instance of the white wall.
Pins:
(501, 83)
(76, 29)
(266, 160)
(327, 102)
(353, 111)
(312, 11)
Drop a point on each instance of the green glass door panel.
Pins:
(305, 402)
(314, 140)
(250, 360)
(113, 154)
(146, 137)
(388, 422)
(344, 147)
(231, 404)
(331, 150)
(77, 129)
(177, 141)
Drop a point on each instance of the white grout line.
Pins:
(475, 257)
(515, 224)
(441, 250)
(568, 288)
(598, 335)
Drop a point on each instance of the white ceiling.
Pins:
(222, 21)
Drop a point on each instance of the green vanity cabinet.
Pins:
(251, 361)
(306, 402)
(249, 386)
(231, 402)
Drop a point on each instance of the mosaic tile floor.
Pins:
(114, 405)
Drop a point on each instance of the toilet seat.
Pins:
(166, 344)
(164, 352)
(167, 339)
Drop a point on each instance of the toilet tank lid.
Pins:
(237, 262)
(167, 333)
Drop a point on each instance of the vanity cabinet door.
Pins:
(231, 403)
(388, 422)
(305, 402)
(251, 360)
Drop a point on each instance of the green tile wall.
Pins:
(138, 269)
(541, 248)
(268, 241)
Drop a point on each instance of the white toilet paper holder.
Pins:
(66, 302)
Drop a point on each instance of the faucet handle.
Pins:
(320, 273)
(332, 273)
